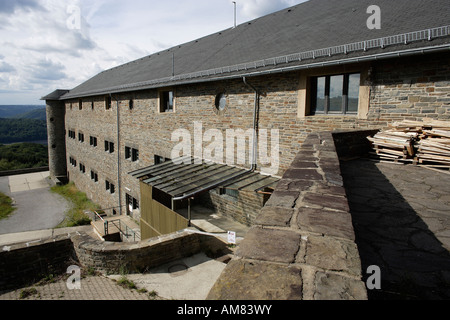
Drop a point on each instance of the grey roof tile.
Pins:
(312, 25)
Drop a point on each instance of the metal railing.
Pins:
(123, 228)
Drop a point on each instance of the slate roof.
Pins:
(290, 36)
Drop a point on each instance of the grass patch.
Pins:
(80, 203)
(26, 293)
(6, 207)
(126, 283)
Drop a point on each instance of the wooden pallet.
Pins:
(425, 143)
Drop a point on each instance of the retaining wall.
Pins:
(25, 263)
(112, 257)
(303, 244)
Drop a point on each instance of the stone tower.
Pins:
(56, 136)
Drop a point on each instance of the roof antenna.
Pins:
(234, 14)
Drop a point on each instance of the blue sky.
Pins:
(53, 44)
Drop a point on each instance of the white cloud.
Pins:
(49, 44)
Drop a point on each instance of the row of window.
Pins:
(330, 94)
(109, 186)
(130, 153)
(166, 102)
(132, 203)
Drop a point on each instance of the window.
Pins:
(109, 146)
(221, 101)
(132, 204)
(94, 176)
(110, 187)
(72, 134)
(73, 162)
(80, 104)
(159, 159)
(335, 94)
(80, 137)
(166, 101)
(134, 155)
(230, 192)
(131, 104)
(82, 168)
(93, 141)
(131, 154)
(107, 102)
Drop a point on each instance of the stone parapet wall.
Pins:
(303, 244)
(114, 257)
(25, 263)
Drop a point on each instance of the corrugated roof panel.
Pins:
(193, 185)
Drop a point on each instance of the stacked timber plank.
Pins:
(424, 142)
(433, 147)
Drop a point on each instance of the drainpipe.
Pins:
(255, 124)
(253, 165)
(118, 155)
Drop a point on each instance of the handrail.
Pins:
(125, 231)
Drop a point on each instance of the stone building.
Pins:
(319, 66)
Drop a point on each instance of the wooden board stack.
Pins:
(424, 143)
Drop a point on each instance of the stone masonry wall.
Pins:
(25, 263)
(302, 246)
(113, 257)
(404, 88)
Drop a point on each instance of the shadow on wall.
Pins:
(390, 234)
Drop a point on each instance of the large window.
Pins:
(335, 94)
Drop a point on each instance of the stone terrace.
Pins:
(332, 216)
(303, 244)
(401, 216)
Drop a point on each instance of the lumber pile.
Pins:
(424, 143)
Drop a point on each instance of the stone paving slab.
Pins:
(27, 182)
(92, 288)
(401, 217)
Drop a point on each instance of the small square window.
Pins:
(94, 176)
(93, 141)
(166, 101)
(159, 159)
(108, 103)
(109, 146)
(135, 155)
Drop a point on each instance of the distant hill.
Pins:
(22, 130)
(36, 114)
(22, 123)
(12, 111)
